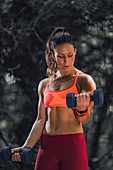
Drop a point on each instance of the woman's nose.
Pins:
(66, 60)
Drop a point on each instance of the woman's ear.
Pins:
(75, 51)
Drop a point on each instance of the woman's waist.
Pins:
(64, 128)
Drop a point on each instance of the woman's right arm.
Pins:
(37, 127)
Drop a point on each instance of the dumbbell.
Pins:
(26, 155)
(97, 97)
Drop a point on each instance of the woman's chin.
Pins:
(66, 70)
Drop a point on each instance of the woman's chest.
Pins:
(61, 84)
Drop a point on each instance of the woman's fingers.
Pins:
(15, 154)
(83, 100)
(16, 157)
(15, 150)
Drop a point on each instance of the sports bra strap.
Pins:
(49, 81)
(76, 76)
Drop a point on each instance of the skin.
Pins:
(60, 120)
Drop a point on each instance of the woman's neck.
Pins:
(60, 74)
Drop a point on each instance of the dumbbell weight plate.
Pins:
(6, 154)
(71, 100)
(98, 97)
(27, 156)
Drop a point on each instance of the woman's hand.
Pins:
(15, 154)
(83, 101)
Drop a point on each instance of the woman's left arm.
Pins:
(84, 106)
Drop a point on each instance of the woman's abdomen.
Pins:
(61, 120)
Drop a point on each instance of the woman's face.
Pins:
(65, 56)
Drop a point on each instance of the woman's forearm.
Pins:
(35, 133)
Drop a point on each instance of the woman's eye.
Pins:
(70, 55)
(64, 56)
(60, 56)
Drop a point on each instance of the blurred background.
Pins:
(24, 29)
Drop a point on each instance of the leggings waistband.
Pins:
(64, 136)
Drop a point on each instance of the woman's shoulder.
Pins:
(85, 81)
(42, 84)
(84, 77)
(44, 81)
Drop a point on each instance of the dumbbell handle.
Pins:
(91, 97)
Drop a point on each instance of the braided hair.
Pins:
(59, 36)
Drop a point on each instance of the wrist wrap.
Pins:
(81, 113)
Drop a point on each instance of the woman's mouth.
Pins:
(66, 66)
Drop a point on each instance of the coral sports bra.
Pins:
(58, 98)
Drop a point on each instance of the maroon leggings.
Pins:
(62, 152)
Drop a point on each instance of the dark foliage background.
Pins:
(24, 29)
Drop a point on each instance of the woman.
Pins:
(60, 128)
